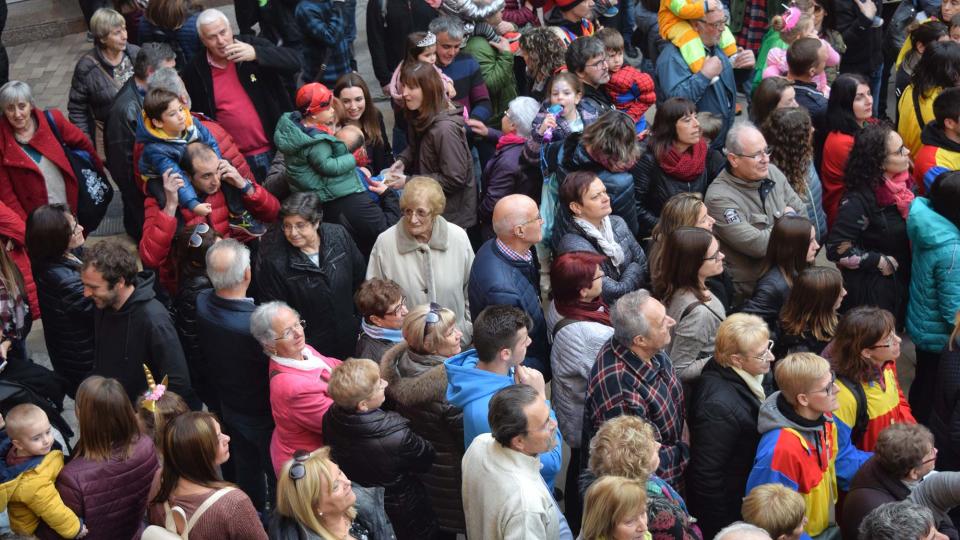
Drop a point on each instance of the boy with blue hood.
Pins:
(500, 337)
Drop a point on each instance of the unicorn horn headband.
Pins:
(155, 391)
(791, 17)
(428, 40)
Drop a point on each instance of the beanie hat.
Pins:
(521, 111)
(567, 5)
(313, 98)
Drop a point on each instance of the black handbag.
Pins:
(94, 191)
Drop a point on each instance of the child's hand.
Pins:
(501, 45)
(451, 90)
(203, 209)
(83, 531)
(549, 122)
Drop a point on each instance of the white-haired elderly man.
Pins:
(746, 199)
(238, 79)
(236, 367)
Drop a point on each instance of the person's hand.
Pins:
(530, 377)
(172, 182)
(203, 209)
(451, 90)
(366, 172)
(501, 45)
(239, 51)
(5, 348)
(549, 122)
(478, 127)
(867, 7)
(230, 174)
(386, 90)
(377, 187)
(83, 531)
(505, 27)
(745, 59)
(887, 265)
(712, 67)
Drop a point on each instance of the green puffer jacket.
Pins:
(316, 161)
(935, 281)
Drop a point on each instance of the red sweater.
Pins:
(836, 148)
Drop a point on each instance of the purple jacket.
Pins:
(109, 496)
(512, 169)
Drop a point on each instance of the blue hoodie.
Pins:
(471, 389)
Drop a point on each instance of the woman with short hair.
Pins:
(723, 420)
(615, 508)
(382, 306)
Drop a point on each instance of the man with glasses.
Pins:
(905, 455)
(746, 199)
(798, 444)
(713, 88)
(586, 58)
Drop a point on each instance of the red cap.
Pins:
(313, 98)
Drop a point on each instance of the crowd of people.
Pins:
(575, 292)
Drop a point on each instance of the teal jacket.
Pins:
(316, 161)
(935, 280)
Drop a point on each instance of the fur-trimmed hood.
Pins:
(413, 378)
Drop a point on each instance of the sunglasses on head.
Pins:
(298, 470)
(195, 239)
(433, 316)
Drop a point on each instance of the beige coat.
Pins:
(437, 271)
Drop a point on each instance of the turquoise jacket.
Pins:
(935, 281)
(316, 161)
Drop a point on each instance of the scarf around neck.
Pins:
(510, 138)
(685, 166)
(595, 311)
(604, 238)
(754, 382)
(379, 332)
(896, 189)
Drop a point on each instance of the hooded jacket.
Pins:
(140, 332)
(471, 389)
(805, 456)
(316, 161)
(28, 493)
(937, 155)
(935, 279)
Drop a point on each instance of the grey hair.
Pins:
(168, 79)
(581, 51)
(522, 111)
(627, 317)
(897, 521)
(733, 144)
(742, 531)
(103, 21)
(150, 57)
(261, 321)
(239, 262)
(506, 416)
(15, 92)
(210, 16)
(448, 24)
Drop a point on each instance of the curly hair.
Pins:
(787, 131)
(623, 446)
(865, 163)
(545, 50)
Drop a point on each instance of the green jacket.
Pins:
(497, 70)
(316, 161)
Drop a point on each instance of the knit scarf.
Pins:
(509, 138)
(604, 238)
(596, 310)
(379, 332)
(896, 189)
(685, 166)
(754, 382)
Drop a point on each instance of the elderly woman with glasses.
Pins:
(315, 500)
(298, 380)
(723, 420)
(427, 255)
(382, 306)
(316, 272)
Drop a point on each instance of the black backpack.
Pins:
(860, 425)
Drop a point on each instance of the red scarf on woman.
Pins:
(685, 166)
(596, 311)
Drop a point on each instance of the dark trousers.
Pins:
(921, 391)
(248, 14)
(363, 219)
(88, 7)
(250, 454)
(260, 164)
(132, 208)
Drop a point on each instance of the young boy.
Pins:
(673, 16)
(377, 448)
(776, 509)
(30, 461)
(631, 90)
(799, 446)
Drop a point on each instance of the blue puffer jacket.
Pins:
(935, 281)
(497, 280)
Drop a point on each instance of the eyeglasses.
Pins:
(399, 309)
(715, 25)
(715, 257)
(768, 352)
(529, 221)
(756, 155)
(288, 333)
(891, 340)
(602, 62)
(298, 470)
(195, 239)
(299, 226)
(419, 212)
(601, 276)
(433, 316)
(902, 151)
(831, 388)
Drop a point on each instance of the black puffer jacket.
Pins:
(768, 298)
(185, 319)
(654, 187)
(791, 343)
(67, 319)
(93, 88)
(945, 416)
(723, 442)
(322, 295)
(378, 448)
(417, 390)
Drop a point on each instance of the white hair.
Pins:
(742, 531)
(168, 79)
(236, 269)
(210, 16)
(261, 321)
(522, 111)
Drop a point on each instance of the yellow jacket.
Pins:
(27, 492)
(909, 126)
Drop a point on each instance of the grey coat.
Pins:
(617, 280)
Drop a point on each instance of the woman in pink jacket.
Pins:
(298, 381)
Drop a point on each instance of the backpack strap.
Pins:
(862, 418)
(564, 322)
(170, 523)
(211, 500)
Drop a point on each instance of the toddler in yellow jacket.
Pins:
(673, 16)
(30, 461)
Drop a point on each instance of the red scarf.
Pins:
(509, 138)
(596, 311)
(684, 166)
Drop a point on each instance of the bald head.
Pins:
(516, 219)
(228, 265)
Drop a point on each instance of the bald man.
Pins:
(504, 272)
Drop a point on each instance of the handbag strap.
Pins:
(53, 127)
(211, 500)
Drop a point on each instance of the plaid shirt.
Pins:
(325, 40)
(622, 383)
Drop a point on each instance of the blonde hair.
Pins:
(623, 446)
(418, 337)
(796, 373)
(353, 381)
(23, 417)
(299, 499)
(774, 508)
(737, 333)
(423, 188)
(609, 501)
(103, 21)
